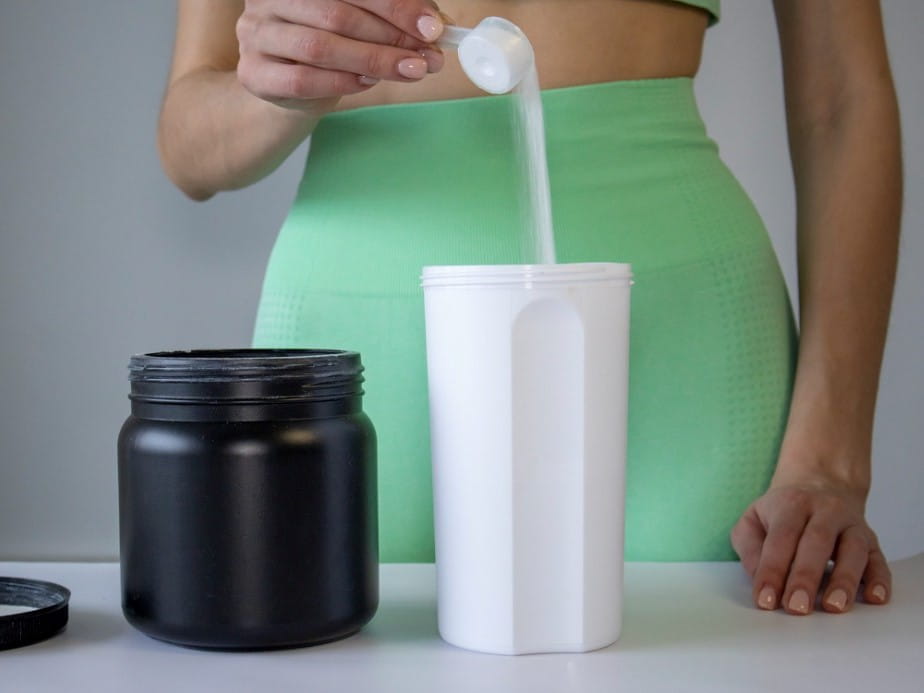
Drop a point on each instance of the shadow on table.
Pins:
(90, 627)
(404, 621)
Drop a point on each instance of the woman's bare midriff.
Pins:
(575, 41)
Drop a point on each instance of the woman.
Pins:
(733, 422)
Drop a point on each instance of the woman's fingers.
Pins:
(747, 538)
(850, 560)
(877, 578)
(320, 49)
(816, 545)
(784, 530)
(291, 84)
(348, 20)
(419, 18)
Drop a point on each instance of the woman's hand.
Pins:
(293, 52)
(787, 536)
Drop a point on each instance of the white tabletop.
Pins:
(687, 627)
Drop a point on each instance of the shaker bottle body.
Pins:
(527, 370)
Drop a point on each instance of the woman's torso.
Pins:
(575, 41)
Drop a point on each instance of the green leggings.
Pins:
(634, 179)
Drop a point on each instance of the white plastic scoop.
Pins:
(495, 55)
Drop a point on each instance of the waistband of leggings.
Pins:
(648, 100)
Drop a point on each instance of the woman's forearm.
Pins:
(844, 140)
(250, 80)
(847, 165)
(214, 135)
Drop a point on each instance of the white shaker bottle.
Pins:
(528, 370)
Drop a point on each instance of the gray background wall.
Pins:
(100, 257)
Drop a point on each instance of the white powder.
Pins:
(536, 200)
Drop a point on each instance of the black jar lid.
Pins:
(45, 614)
(245, 376)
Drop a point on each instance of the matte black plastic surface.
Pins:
(249, 534)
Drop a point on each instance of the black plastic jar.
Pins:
(247, 498)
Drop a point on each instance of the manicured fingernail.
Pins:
(367, 81)
(412, 68)
(767, 599)
(799, 602)
(434, 60)
(837, 599)
(429, 27)
(879, 592)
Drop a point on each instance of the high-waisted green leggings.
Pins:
(634, 179)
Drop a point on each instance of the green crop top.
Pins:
(711, 6)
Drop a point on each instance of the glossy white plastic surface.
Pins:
(528, 378)
(495, 55)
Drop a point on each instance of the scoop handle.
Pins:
(452, 36)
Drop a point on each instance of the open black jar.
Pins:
(247, 498)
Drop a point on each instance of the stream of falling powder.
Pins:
(536, 198)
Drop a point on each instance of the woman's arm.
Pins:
(250, 80)
(846, 153)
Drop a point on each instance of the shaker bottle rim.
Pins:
(519, 275)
